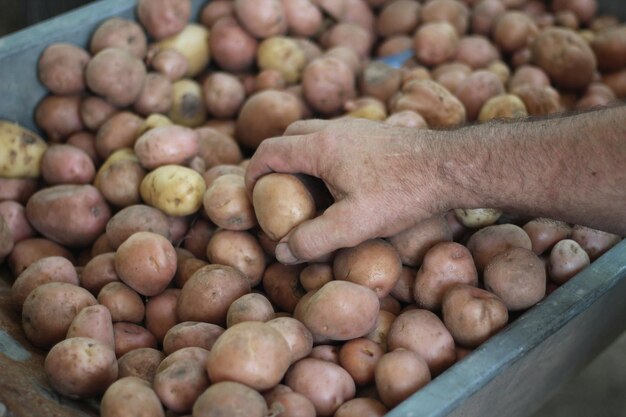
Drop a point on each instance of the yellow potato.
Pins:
(174, 189)
(20, 151)
(193, 43)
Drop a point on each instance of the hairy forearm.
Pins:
(571, 168)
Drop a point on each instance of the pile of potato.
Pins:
(147, 270)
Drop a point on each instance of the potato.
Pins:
(188, 103)
(415, 241)
(130, 336)
(341, 310)
(217, 148)
(584, 10)
(398, 18)
(303, 17)
(123, 302)
(315, 275)
(17, 189)
(131, 397)
(249, 307)
(379, 80)
(444, 265)
(360, 407)
(146, 262)
(223, 95)
(437, 105)
(94, 111)
(156, 95)
(251, 353)
(359, 357)
(539, 101)
(435, 43)
(119, 33)
(227, 204)
(28, 250)
(617, 82)
(169, 62)
(262, 18)
(135, 218)
(565, 57)
(284, 55)
(166, 145)
(328, 353)
(517, 276)
(163, 18)
(399, 374)
(545, 233)
(119, 182)
(59, 116)
(324, 383)
(215, 10)
(81, 367)
(609, 47)
(99, 271)
(328, 83)
(73, 215)
(141, 363)
(505, 106)
(477, 218)
(297, 336)
(350, 35)
(475, 90)
(266, 114)
(472, 315)
(180, 384)
(513, 31)
(61, 67)
(374, 264)
(232, 47)
(175, 190)
(160, 314)
(193, 354)
(49, 309)
(594, 242)
(191, 334)
(394, 45)
(86, 142)
(490, 241)
(21, 152)
(14, 216)
(476, 51)
(422, 332)
(209, 292)
(484, 15)
(198, 237)
(291, 403)
(280, 283)
(193, 43)
(567, 258)
(66, 164)
(276, 214)
(41, 271)
(229, 399)
(118, 132)
(238, 249)
(94, 322)
(116, 75)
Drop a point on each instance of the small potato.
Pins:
(28, 250)
(528, 75)
(380, 331)
(266, 114)
(513, 31)
(328, 353)
(232, 47)
(361, 407)
(171, 63)
(59, 116)
(166, 145)
(238, 249)
(328, 83)
(280, 283)
(119, 33)
(398, 18)
(86, 142)
(198, 237)
(14, 216)
(438, 106)
(175, 190)
(422, 332)
(252, 353)
(81, 367)
(21, 152)
(565, 57)
(123, 302)
(324, 383)
(194, 354)
(379, 80)
(141, 363)
(188, 103)
(315, 275)
(49, 309)
(135, 218)
(444, 265)
(188, 334)
(229, 399)
(349, 35)
(609, 47)
(435, 43)
(475, 90)
(284, 55)
(472, 315)
(505, 106)
(94, 111)
(490, 241)
(119, 182)
(374, 264)
(476, 51)
(130, 336)
(341, 310)
(567, 258)
(517, 276)
(99, 271)
(399, 374)
(617, 82)
(209, 292)
(594, 242)
(66, 164)
(227, 204)
(477, 218)
(291, 404)
(116, 75)
(131, 397)
(544, 233)
(276, 213)
(94, 322)
(249, 307)
(484, 15)
(394, 45)
(451, 11)
(303, 17)
(539, 101)
(161, 313)
(217, 147)
(163, 18)
(61, 68)
(146, 262)
(156, 95)
(451, 74)
(298, 337)
(180, 384)
(413, 243)
(262, 18)
(47, 211)
(193, 43)
(359, 357)
(42, 271)
(215, 10)
(118, 132)
(223, 95)
(18, 189)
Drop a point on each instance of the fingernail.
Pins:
(284, 254)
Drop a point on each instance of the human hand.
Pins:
(380, 176)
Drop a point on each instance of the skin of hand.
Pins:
(385, 179)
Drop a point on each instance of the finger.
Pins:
(287, 154)
(339, 226)
(305, 127)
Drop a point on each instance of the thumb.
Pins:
(338, 227)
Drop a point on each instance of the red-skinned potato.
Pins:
(315, 275)
(544, 233)
(99, 271)
(190, 334)
(123, 302)
(227, 203)
(119, 131)
(239, 249)
(451, 11)
(232, 47)
(130, 336)
(398, 18)
(567, 258)
(291, 403)
(399, 374)
(119, 33)
(61, 68)
(169, 62)
(594, 242)
(281, 286)
(435, 103)
(180, 384)
(513, 31)
(223, 94)
(116, 75)
(328, 83)
(485, 14)
(94, 322)
(381, 329)
(231, 399)
(249, 307)
(163, 18)
(156, 95)
(59, 116)
(493, 240)
(66, 164)
(215, 10)
(130, 396)
(141, 363)
(303, 17)
(363, 406)
(28, 250)
(262, 18)
(413, 243)
(359, 357)
(133, 219)
(435, 43)
(297, 336)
